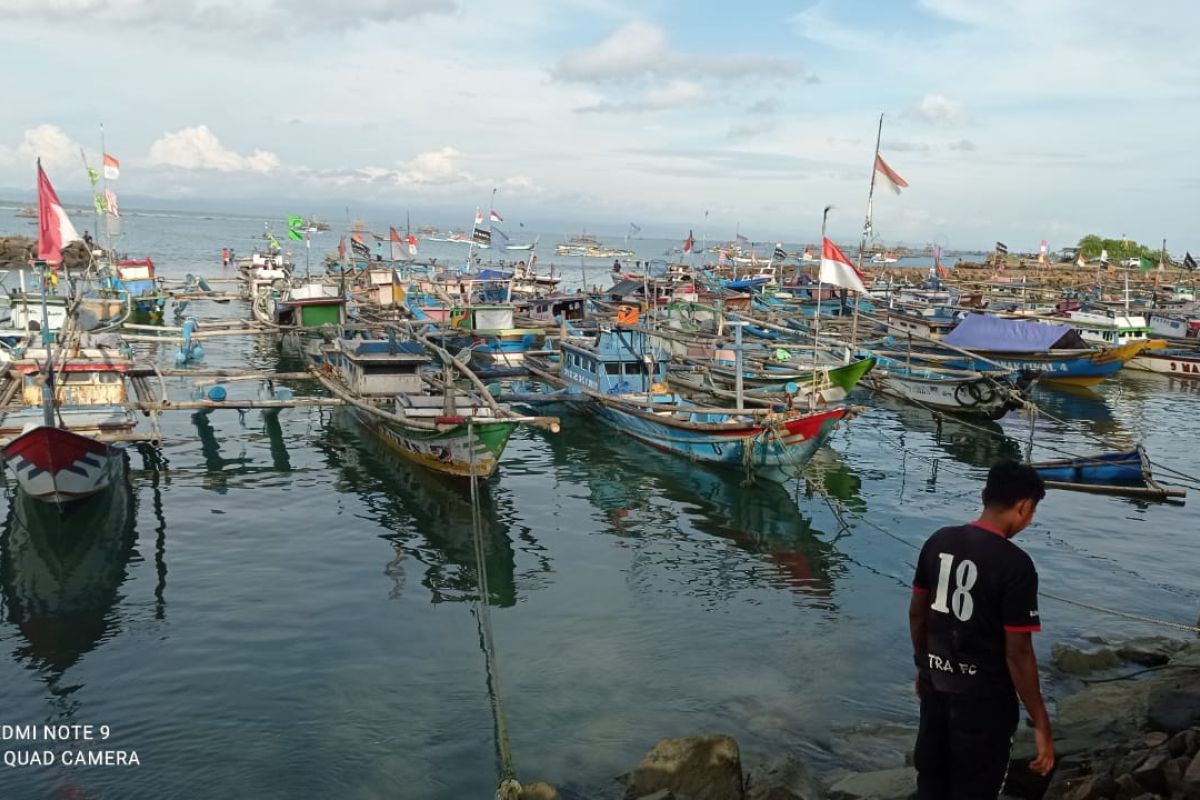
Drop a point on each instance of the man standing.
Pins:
(972, 615)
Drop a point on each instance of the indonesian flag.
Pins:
(478, 218)
(110, 202)
(496, 216)
(889, 176)
(689, 243)
(837, 270)
(342, 248)
(55, 230)
(412, 245)
(112, 168)
(721, 257)
(396, 244)
(1079, 260)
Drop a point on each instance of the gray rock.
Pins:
(1190, 784)
(1174, 708)
(888, 784)
(786, 778)
(1074, 661)
(1127, 788)
(1184, 743)
(1155, 739)
(1150, 773)
(1150, 651)
(692, 767)
(661, 794)
(1173, 774)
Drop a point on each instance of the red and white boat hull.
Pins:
(58, 466)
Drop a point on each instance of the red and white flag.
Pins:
(1079, 262)
(889, 176)
(112, 167)
(110, 203)
(478, 218)
(412, 245)
(838, 270)
(55, 230)
(689, 243)
(721, 257)
(496, 216)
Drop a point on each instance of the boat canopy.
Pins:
(984, 332)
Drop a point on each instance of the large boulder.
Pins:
(1073, 661)
(786, 778)
(691, 768)
(887, 784)
(1174, 707)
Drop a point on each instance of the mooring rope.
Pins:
(483, 617)
(835, 507)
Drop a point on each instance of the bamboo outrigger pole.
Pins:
(868, 225)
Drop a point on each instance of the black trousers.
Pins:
(964, 744)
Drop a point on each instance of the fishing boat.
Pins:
(1177, 362)
(1120, 473)
(447, 430)
(626, 378)
(966, 392)
(492, 335)
(1057, 353)
(54, 442)
(136, 278)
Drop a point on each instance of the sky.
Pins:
(1012, 120)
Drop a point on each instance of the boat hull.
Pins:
(1180, 365)
(971, 396)
(54, 465)
(1071, 369)
(777, 452)
(453, 449)
(1104, 469)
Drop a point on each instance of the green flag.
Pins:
(100, 205)
(295, 228)
(93, 176)
(1145, 264)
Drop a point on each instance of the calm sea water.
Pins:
(282, 609)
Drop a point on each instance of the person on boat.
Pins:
(225, 257)
(87, 239)
(973, 611)
(616, 265)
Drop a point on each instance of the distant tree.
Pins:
(1118, 249)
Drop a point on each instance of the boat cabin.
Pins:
(77, 382)
(615, 362)
(551, 309)
(1106, 327)
(311, 306)
(929, 322)
(382, 367)
(482, 318)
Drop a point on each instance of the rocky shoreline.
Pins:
(1129, 729)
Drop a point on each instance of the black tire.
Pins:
(964, 397)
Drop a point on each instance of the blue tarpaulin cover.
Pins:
(983, 332)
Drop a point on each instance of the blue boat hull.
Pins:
(778, 455)
(1105, 469)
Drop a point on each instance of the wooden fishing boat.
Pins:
(57, 453)
(451, 431)
(490, 332)
(953, 391)
(627, 380)
(1176, 362)
(1122, 473)
(1056, 352)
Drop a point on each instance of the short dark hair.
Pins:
(1010, 482)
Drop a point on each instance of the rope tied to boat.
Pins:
(483, 619)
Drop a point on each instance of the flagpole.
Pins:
(867, 225)
(104, 183)
(95, 207)
(820, 291)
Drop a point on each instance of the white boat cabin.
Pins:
(382, 368)
(1109, 328)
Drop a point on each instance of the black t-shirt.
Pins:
(979, 585)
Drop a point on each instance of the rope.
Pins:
(837, 512)
(483, 617)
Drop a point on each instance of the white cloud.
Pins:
(221, 17)
(51, 144)
(434, 167)
(937, 109)
(673, 94)
(198, 148)
(632, 51)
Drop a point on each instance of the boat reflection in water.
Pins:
(647, 496)
(427, 517)
(60, 574)
(976, 443)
